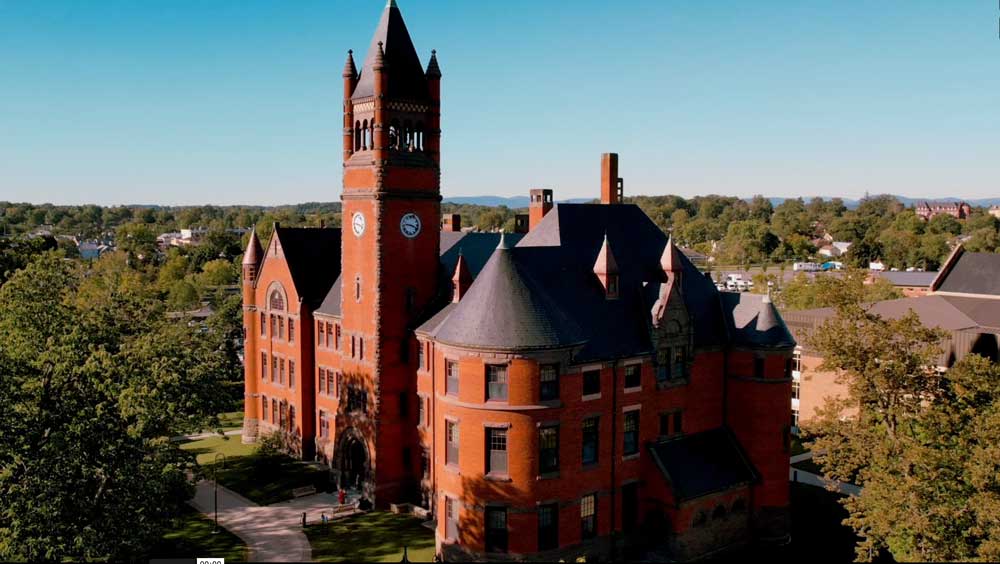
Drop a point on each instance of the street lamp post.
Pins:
(215, 478)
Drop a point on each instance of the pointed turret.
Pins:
(352, 139)
(462, 278)
(670, 260)
(606, 269)
(254, 250)
(252, 258)
(433, 70)
(398, 54)
(350, 71)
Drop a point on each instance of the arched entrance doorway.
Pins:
(353, 462)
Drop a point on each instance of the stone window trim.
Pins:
(634, 407)
(591, 397)
(492, 425)
(625, 365)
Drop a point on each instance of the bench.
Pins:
(303, 491)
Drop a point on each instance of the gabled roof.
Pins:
(702, 464)
(406, 75)
(969, 273)
(313, 258)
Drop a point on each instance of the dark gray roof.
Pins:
(915, 279)
(702, 464)
(971, 273)
(406, 75)
(507, 308)
(475, 247)
(555, 260)
(755, 321)
(313, 258)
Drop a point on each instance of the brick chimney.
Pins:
(612, 186)
(451, 222)
(541, 203)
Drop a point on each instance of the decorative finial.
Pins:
(391, 4)
(433, 70)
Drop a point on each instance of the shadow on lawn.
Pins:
(267, 479)
(372, 537)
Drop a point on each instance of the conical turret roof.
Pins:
(406, 75)
(605, 263)
(254, 251)
(350, 71)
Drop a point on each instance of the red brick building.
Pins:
(540, 394)
(927, 210)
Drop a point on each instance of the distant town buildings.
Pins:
(927, 209)
(963, 299)
(191, 236)
(995, 211)
(835, 249)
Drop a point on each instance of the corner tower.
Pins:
(391, 215)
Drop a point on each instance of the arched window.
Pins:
(719, 512)
(277, 301)
(357, 136)
(394, 134)
(408, 135)
(371, 134)
(365, 140)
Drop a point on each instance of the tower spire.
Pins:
(350, 71)
(433, 70)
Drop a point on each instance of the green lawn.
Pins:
(230, 445)
(228, 421)
(378, 536)
(191, 537)
(269, 479)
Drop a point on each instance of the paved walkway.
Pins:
(806, 477)
(273, 533)
(199, 436)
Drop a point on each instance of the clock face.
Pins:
(358, 223)
(410, 225)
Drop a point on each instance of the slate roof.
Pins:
(755, 321)
(476, 248)
(313, 257)
(544, 293)
(406, 75)
(701, 464)
(914, 279)
(970, 273)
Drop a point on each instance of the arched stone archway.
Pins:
(352, 462)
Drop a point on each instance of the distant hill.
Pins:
(905, 200)
(511, 202)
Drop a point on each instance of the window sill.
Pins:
(548, 475)
(550, 403)
(667, 384)
(498, 477)
(627, 457)
(633, 390)
(453, 469)
(587, 466)
(591, 397)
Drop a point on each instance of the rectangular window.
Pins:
(795, 418)
(274, 325)
(496, 442)
(451, 518)
(632, 376)
(591, 382)
(336, 335)
(319, 333)
(263, 325)
(361, 348)
(263, 366)
(548, 450)
(291, 373)
(451, 377)
(281, 371)
(274, 411)
(677, 423)
(283, 414)
(425, 464)
(353, 345)
(291, 330)
(663, 368)
(758, 367)
(324, 424)
(797, 361)
(496, 529)
(548, 526)
(795, 390)
(496, 382)
(590, 439)
(548, 374)
(680, 363)
(263, 408)
(451, 436)
(421, 413)
(588, 517)
(274, 368)
(420, 355)
(337, 384)
(631, 439)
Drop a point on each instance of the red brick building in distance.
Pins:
(927, 210)
(540, 394)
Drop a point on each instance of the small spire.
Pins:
(606, 263)
(391, 4)
(502, 246)
(462, 278)
(670, 261)
(433, 70)
(350, 71)
(379, 63)
(254, 250)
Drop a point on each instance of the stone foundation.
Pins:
(250, 429)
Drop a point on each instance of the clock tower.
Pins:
(391, 218)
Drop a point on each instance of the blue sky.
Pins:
(238, 101)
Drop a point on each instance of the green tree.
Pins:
(86, 469)
(183, 296)
(944, 224)
(748, 242)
